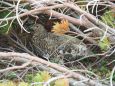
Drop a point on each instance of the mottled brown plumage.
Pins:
(50, 45)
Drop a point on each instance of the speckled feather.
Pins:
(55, 45)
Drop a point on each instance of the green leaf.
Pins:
(42, 76)
(104, 44)
(38, 78)
(29, 78)
(11, 75)
(23, 84)
(5, 25)
(108, 18)
(62, 82)
(45, 75)
(7, 83)
(5, 28)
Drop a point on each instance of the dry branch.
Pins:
(34, 11)
(91, 21)
(15, 67)
(91, 18)
(86, 19)
(23, 57)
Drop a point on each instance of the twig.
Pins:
(91, 18)
(111, 77)
(34, 11)
(53, 79)
(63, 16)
(26, 57)
(15, 67)
(18, 18)
(20, 44)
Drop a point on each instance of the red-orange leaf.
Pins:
(61, 28)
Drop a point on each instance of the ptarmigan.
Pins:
(52, 46)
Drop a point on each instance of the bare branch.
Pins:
(15, 67)
(23, 57)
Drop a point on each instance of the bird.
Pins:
(56, 47)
